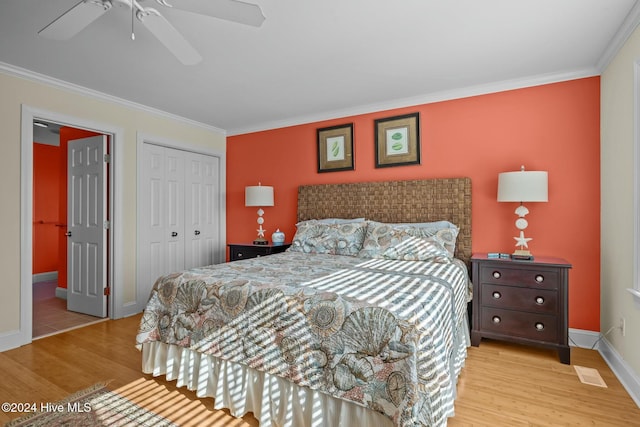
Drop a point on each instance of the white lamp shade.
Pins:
(523, 186)
(258, 195)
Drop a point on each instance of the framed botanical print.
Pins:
(397, 140)
(335, 148)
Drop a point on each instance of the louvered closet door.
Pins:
(202, 192)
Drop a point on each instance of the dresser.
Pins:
(238, 251)
(521, 301)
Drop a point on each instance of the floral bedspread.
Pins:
(388, 335)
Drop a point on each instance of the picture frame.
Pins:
(397, 140)
(335, 148)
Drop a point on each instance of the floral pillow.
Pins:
(447, 236)
(324, 238)
(389, 241)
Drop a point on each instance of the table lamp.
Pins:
(260, 196)
(522, 186)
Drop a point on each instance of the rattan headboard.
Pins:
(394, 201)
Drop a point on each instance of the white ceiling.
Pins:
(318, 59)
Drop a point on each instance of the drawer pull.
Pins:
(496, 275)
(540, 326)
(496, 319)
(497, 295)
(239, 255)
(539, 278)
(539, 300)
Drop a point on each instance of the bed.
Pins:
(361, 322)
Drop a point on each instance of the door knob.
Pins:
(174, 234)
(197, 232)
(68, 234)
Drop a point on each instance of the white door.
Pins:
(172, 211)
(162, 214)
(87, 230)
(179, 213)
(201, 210)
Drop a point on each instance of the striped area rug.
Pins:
(94, 406)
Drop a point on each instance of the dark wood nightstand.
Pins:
(521, 301)
(238, 251)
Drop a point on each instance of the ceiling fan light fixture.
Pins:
(85, 12)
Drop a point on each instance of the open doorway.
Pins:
(52, 310)
(118, 305)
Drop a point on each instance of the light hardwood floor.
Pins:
(501, 385)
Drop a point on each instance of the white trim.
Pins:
(61, 293)
(627, 377)
(23, 335)
(48, 276)
(145, 138)
(619, 39)
(12, 339)
(427, 98)
(71, 87)
(582, 338)
(635, 293)
(636, 178)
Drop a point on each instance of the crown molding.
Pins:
(627, 28)
(23, 73)
(427, 98)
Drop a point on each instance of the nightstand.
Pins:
(238, 251)
(521, 301)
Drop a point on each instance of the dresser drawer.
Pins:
(534, 326)
(536, 278)
(522, 299)
(239, 252)
(247, 252)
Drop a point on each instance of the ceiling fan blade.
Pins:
(170, 37)
(229, 10)
(75, 19)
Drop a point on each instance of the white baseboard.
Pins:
(49, 276)
(61, 293)
(582, 338)
(629, 379)
(595, 340)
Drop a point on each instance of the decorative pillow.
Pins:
(335, 239)
(381, 237)
(447, 237)
(386, 242)
(445, 231)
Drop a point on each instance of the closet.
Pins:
(180, 217)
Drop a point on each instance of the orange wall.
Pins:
(46, 174)
(553, 127)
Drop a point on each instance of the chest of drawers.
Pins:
(521, 301)
(238, 251)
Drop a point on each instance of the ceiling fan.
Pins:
(85, 12)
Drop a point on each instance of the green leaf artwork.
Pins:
(335, 149)
(397, 146)
(396, 136)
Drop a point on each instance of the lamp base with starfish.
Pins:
(523, 242)
(260, 240)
